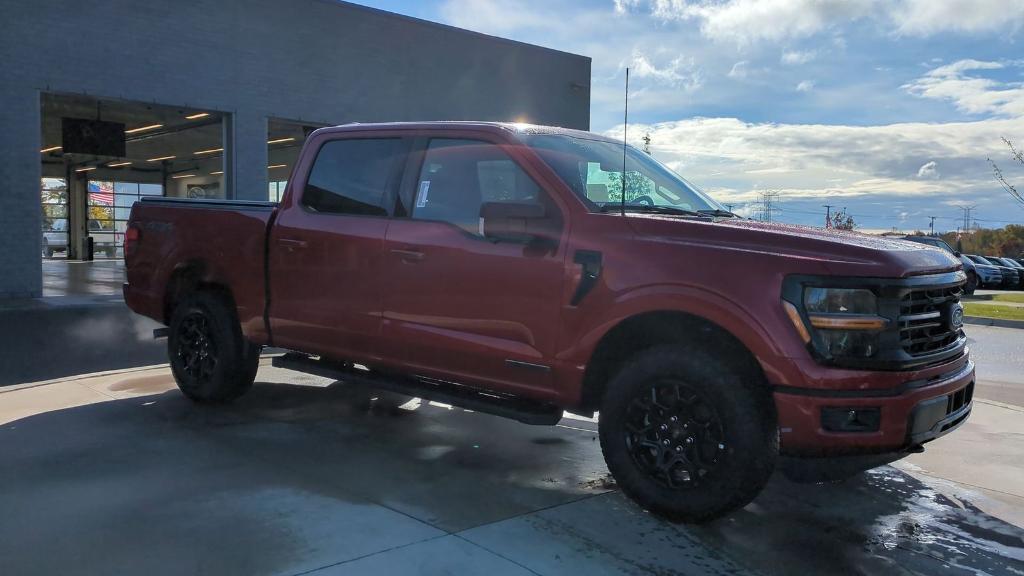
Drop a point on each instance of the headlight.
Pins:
(845, 321)
(839, 301)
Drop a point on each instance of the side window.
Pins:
(459, 176)
(353, 177)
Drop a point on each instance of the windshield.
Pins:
(937, 242)
(980, 260)
(593, 169)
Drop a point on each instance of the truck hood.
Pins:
(840, 252)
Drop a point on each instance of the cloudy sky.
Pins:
(888, 108)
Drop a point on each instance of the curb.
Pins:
(998, 322)
(76, 377)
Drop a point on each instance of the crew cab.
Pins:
(526, 271)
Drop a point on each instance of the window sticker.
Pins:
(421, 196)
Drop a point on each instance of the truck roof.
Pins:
(507, 127)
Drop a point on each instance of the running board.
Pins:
(525, 411)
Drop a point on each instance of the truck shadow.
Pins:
(156, 470)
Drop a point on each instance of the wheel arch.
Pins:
(648, 329)
(188, 277)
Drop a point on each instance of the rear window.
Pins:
(354, 177)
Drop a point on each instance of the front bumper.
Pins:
(925, 405)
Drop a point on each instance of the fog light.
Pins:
(838, 419)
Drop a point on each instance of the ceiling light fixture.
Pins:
(50, 149)
(197, 116)
(278, 166)
(280, 140)
(143, 128)
(161, 158)
(217, 172)
(116, 164)
(210, 151)
(183, 176)
(86, 169)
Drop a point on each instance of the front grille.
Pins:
(923, 320)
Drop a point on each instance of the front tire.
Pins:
(210, 359)
(972, 283)
(686, 435)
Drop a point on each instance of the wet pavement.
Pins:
(120, 474)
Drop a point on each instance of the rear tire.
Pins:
(686, 435)
(210, 359)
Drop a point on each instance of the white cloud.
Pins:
(928, 17)
(796, 57)
(679, 72)
(805, 86)
(623, 6)
(973, 94)
(928, 170)
(747, 21)
(810, 160)
(739, 70)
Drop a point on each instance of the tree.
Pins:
(843, 221)
(637, 185)
(1018, 156)
(1008, 241)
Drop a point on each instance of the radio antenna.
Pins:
(625, 126)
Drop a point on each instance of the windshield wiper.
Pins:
(718, 213)
(615, 207)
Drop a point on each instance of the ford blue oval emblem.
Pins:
(956, 315)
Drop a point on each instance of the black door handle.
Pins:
(291, 243)
(409, 255)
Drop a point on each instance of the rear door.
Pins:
(326, 248)
(462, 306)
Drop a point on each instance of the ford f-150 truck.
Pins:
(526, 271)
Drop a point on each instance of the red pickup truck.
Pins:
(513, 270)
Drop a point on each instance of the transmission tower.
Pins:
(967, 217)
(766, 207)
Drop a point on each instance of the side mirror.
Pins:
(957, 254)
(509, 221)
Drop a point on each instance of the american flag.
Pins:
(101, 193)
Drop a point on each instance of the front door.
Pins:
(459, 305)
(326, 249)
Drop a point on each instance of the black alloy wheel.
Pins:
(674, 435)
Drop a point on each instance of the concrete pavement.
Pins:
(120, 474)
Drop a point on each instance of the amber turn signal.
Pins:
(848, 322)
(798, 322)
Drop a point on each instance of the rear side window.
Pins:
(354, 177)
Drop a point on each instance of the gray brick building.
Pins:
(250, 64)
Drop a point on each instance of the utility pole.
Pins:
(729, 207)
(647, 143)
(931, 226)
(828, 215)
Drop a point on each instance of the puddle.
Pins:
(144, 384)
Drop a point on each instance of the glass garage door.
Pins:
(54, 200)
(110, 205)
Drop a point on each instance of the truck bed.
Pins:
(208, 241)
